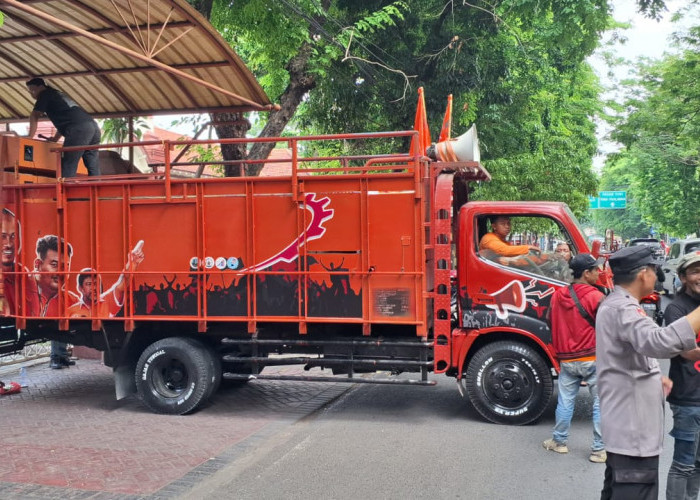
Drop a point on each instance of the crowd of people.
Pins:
(609, 344)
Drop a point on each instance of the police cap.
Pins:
(628, 259)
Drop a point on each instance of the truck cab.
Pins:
(503, 339)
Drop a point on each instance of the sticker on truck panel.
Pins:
(512, 297)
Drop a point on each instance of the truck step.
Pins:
(345, 380)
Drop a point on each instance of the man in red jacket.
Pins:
(572, 313)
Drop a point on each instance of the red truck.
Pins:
(343, 264)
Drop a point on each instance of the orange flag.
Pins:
(421, 125)
(446, 131)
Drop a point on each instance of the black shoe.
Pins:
(55, 365)
(67, 362)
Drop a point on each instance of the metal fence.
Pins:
(30, 352)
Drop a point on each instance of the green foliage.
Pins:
(661, 134)
(515, 67)
(115, 130)
(652, 8)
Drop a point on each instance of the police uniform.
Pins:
(629, 383)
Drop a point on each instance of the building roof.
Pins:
(281, 164)
(121, 58)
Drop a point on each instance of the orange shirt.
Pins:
(107, 307)
(39, 305)
(109, 304)
(493, 242)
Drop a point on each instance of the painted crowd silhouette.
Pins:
(276, 294)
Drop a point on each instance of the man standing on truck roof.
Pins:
(71, 121)
(496, 239)
(684, 475)
(43, 301)
(630, 384)
(572, 313)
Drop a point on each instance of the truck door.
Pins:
(510, 283)
(505, 295)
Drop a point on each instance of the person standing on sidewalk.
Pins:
(572, 313)
(630, 384)
(684, 475)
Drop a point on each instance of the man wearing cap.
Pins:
(684, 475)
(572, 311)
(71, 121)
(630, 384)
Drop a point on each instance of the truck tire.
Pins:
(508, 383)
(173, 376)
(214, 365)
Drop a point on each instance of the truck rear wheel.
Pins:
(214, 365)
(174, 376)
(508, 383)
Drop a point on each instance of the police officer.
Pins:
(630, 384)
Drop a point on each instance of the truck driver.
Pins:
(495, 241)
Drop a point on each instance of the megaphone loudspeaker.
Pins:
(463, 148)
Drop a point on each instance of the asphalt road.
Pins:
(415, 442)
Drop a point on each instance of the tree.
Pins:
(515, 67)
(660, 132)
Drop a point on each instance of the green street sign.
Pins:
(611, 200)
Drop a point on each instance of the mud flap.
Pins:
(461, 387)
(124, 383)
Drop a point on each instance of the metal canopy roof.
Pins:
(121, 58)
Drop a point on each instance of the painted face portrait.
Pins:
(9, 239)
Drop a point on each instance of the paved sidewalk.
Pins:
(65, 436)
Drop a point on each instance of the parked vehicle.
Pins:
(655, 244)
(678, 249)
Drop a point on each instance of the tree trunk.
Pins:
(236, 125)
(233, 125)
(300, 82)
(203, 6)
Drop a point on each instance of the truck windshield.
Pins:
(577, 225)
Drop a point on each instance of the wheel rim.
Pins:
(509, 384)
(170, 378)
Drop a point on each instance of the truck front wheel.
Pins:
(173, 376)
(508, 383)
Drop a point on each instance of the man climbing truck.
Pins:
(345, 267)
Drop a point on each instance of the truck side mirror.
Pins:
(595, 248)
